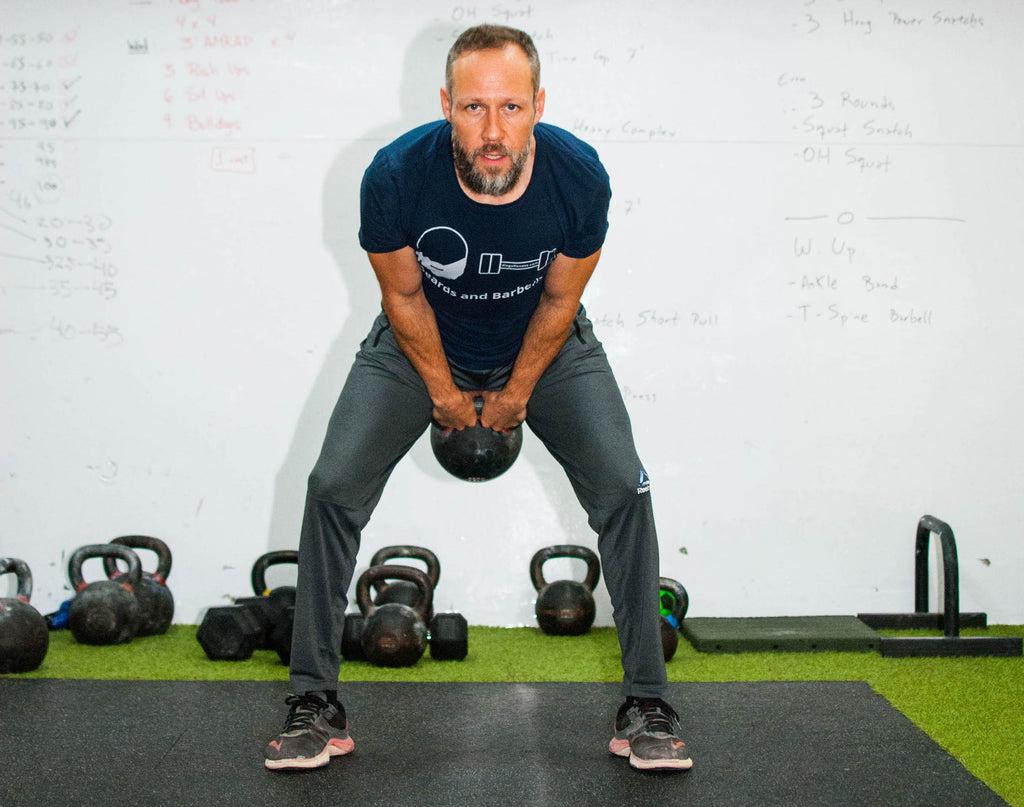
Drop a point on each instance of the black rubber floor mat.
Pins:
(173, 743)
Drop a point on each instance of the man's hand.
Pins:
(502, 411)
(456, 412)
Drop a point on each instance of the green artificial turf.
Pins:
(970, 706)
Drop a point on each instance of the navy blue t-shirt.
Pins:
(483, 265)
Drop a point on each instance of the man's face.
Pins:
(492, 110)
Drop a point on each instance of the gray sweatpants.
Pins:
(577, 412)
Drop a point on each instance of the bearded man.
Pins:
(483, 230)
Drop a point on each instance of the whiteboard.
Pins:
(809, 291)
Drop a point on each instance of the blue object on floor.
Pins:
(58, 620)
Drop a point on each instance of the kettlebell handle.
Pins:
(394, 571)
(163, 555)
(381, 556)
(565, 551)
(264, 562)
(24, 575)
(680, 599)
(79, 556)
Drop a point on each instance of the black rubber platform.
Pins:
(190, 743)
(781, 633)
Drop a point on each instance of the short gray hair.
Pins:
(488, 37)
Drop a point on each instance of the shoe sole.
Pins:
(621, 749)
(334, 748)
(660, 764)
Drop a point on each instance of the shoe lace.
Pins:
(657, 716)
(304, 711)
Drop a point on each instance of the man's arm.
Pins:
(548, 329)
(415, 328)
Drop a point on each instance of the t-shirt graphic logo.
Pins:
(443, 251)
(491, 263)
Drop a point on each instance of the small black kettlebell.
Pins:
(674, 603)
(404, 591)
(285, 594)
(156, 603)
(104, 612)
(475, 453)
(565, 607)
(24, 636)
(394, 634)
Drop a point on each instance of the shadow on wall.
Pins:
(422, 77)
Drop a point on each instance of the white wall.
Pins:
(810, 289)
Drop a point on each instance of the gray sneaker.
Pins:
(647, 731)
(314, 732)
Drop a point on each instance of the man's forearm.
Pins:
(548, 329)
(412, 320)
(546, 333)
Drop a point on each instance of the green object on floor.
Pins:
(780, 633)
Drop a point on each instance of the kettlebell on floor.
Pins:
(106, 611)
(24, 635)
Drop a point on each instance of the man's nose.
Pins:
(493, 130)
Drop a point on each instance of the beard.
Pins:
(485, 181)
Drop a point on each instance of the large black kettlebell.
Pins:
(156, 603)
(24, 637)
(404, 591)
(565, 607)
(674, 602)
(394, 634)
(475, 453)
(104, 612)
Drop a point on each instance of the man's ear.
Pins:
(538, 105)
(446, 105)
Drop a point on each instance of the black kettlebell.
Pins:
(475, 453)
(404, 591)
(565, 607)
(104, 612)
(394, 634)
(156, 603)
(24, 636)
(285, 594)
(674, 603)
